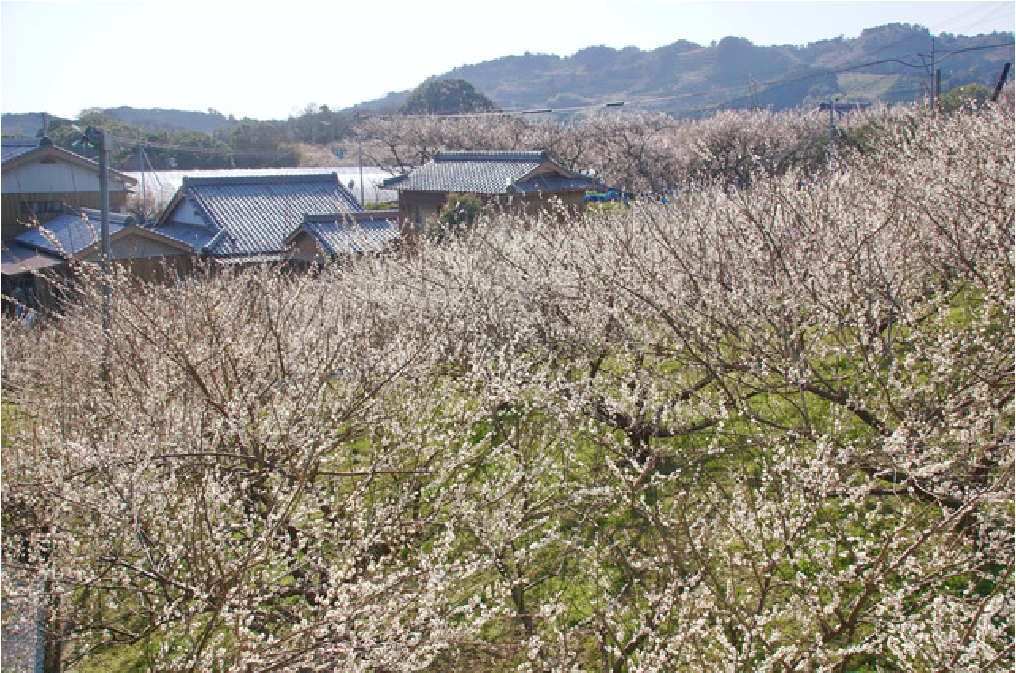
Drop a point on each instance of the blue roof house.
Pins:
(237, 219)
(528, 181)
(69, 236)
(41, 181)
(323, 237)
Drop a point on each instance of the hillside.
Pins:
(173, 120)
(889, 63)
(882, 64)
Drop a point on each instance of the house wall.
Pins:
(574, 203)
(161, 269)
(185, 213)
(37, 291)
(416, 208)
(155, 268)
(135, 247)
(50, 175)
(306, 249)
(46, 182)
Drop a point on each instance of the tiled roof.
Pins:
(195, 237)
(252, 215)
(554, 183)
(68, 234)
(369, 232)
(15, 147)
(16, 259)
(487, 173)
(493, 156)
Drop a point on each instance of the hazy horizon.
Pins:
(271, 60)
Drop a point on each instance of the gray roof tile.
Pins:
(488, 173)
(252, 215)
(196, 237)
(11, 148)
(370, 232)
(68, 234)
(16, 259)
(554, 183)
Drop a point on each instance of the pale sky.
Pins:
(269, 60)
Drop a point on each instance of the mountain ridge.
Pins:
(882, 63)
(889, 63)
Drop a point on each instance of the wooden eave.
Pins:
(170, 208)
(541, 170)
(301, 230)
(141, 232)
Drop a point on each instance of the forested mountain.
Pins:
(155, 119)
(158, 119)
(890, 63)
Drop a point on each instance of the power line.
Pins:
(984, 11)
(633, 102)
(762, 86)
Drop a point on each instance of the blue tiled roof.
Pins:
(252, 215)
(487, 173)
(195, 237)
(68, 234)
(338, 235)
(15, 147)
(17, 259)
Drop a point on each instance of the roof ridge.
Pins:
(491, 155)
(265, 179)
(25, 142)
(353, 217)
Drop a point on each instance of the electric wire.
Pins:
(762, 86)
(634, 101)
(985, 11)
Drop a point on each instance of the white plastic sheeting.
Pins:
(161, 186)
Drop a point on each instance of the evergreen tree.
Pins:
(447, 96)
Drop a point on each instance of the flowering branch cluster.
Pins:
(636, 151)
(752, 429)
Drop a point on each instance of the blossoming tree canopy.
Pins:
(767, 428)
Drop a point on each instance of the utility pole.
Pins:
(104, 233)
(97, 138)
(752, 92)
(931, 89)
(141, 169)
(359, 149)
(1001, 82)
(938, 84)
(832, 126)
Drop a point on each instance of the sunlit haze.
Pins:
(269, 60)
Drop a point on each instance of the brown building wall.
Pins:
(531, 204)
(415, 208)
(160, 269)
(306, 249)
